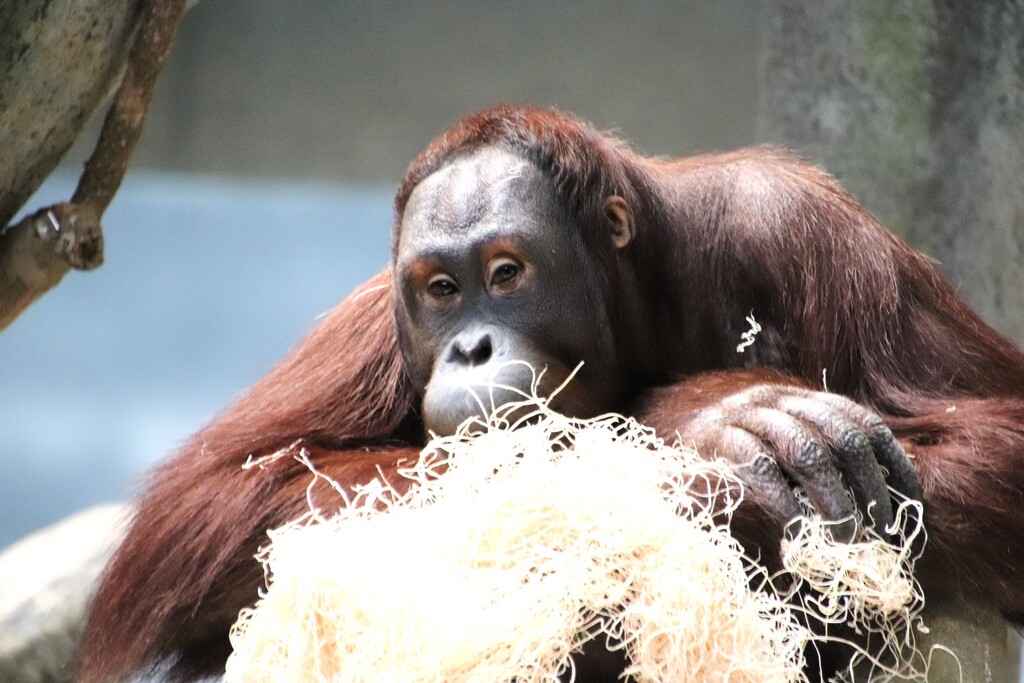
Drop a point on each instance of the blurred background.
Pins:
(260, 193)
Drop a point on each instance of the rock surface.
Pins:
(47, 580)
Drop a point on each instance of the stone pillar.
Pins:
(917, 106)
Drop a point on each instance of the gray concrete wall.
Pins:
(351, 91)
(918, 108)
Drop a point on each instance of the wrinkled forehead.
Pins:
(490, 189)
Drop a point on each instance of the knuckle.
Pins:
(880, 431)
(853, 440)
(807, 407)
(870, 419)
(762, 465)
(810, 456)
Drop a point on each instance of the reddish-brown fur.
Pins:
(840, 299)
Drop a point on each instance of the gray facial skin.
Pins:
(494, 287)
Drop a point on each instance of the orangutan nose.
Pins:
(471, 348)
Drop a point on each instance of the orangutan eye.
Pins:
(505, 274)
(442, 287)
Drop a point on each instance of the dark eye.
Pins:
(505, 274)
(442, 287)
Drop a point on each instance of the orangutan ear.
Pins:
(620, 221)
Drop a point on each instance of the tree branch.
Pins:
(38, 251)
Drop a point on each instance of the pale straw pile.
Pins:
(514, 547)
